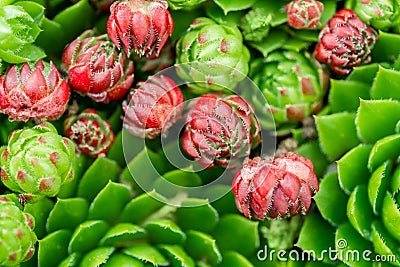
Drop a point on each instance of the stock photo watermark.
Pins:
(340, 252)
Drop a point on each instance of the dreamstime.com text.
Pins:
(341, 252)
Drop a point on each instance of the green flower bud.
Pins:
(382, 14)
(179, 4)
(293, 85)
(17, 238)
(37, 160)
(215, 57)
(256, 25)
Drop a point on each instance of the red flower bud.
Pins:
(304, 14)
(283, 187)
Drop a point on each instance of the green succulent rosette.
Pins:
(360, 203)
(37, 160)
(211, 56)
(179, 4)
(17, 238)
(383, 15)
(293, 86)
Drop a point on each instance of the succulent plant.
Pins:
(304, 14)
(152, 107)
(102, 6)
(220, 131)
(255, 25)
(211, 56)
(96, 68)
(140, 25)
(179, 4)
(36, 161)
(293, 85)
(345, 42)
(279, 188)
(17, 238)
(33, 92)
(380, 14)
(90, 133)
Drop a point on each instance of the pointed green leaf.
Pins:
(275, 40)
(141, 207)
(72, 260)
(116, 151)
(196, 214)
(25, 53)
(384, 244)
(337, 133)
(378, 184)
(364, 73)
(40, 210)
(386, 85)
(146, 253)
(87, 236)
(67, 214)
(122, 233)
(386, 148)
(343, 99)
(121, 260)
(234, 5)
(35, 10)
(225, 204)
(80, 164)
(96, 177)
(233, 258)
(387, 47)
(352, 168)
(51, 37)
(316, 235)
(53, 248)
(391, 216)
(202, 247)
(163, 231)
(110, 202)
(177, 256)
(348, 240)
(329, 197)
(312, 151)
(359, 211)
(97, 257)
(169, 184)
(235, 232)
(329, 11)
(395, 181)
(385, 113)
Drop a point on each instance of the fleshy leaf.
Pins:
(329, 197)
(96, 177)
(122, 260)
(203, 247)
(373, 113)
(386, 148)
(384, 244)
(110, 202)
(377, 186)
(67, 214)
(87, 236)
(40, 210)
(347, 240)
(275, 40)
(312, 151)
(97, 257)
(35, 10)
(122, 233)
(386, 85)
(317, 235)
(23, 54)
(352, 168)
(177, 256)
(359, 211)
(337, 133)
(364, 73)
(146, 253)
(235, 232)
(233, 258)
(197, 215)
(234, 5)
(343, 99)
(53, 248)
(391, 216)
(72, 260)
(163, 231)
(387, 47)
(168, 185)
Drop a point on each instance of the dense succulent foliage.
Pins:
(162, 152)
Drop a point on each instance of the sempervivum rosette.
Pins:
(143, 26)
(220, 130)
(293, 86)
(304, 14)
(33, 91)
(345, 42)
(152, 107)
(212, 57)
(382, 15)
(91, 134)
(17, 238)
(96, 68)
(278, 188)
(36, 160)
(362, 200)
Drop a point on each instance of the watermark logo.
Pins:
(341, 252)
